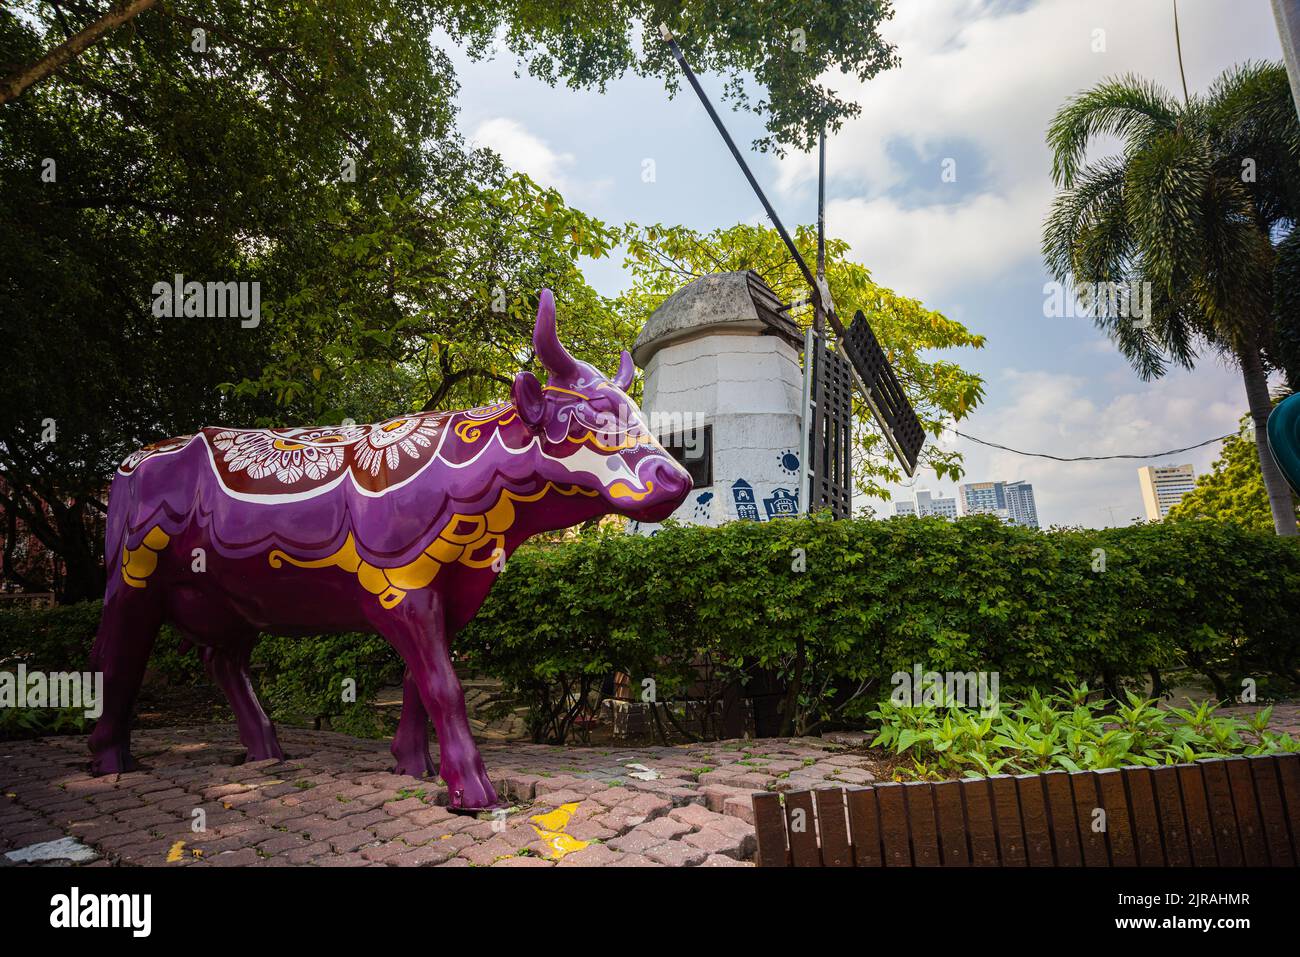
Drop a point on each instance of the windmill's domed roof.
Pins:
(721, 303)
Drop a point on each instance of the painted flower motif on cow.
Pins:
(288, 456)
(132, 461)
(385, 443)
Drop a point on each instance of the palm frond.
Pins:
(1257, 133)
(1128, 107)
(1093, 206)
(1165, 188)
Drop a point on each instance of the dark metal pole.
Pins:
(758, 190)
(819, 313)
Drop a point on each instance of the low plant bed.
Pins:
(1073, 729)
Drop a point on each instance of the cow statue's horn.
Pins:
(546, 341)
(626, 371)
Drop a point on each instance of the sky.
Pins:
(978, 85)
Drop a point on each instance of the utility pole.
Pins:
(819, 303)
(1287, 14)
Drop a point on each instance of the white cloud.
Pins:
(523, 151)
(927, 251)
(988, 76)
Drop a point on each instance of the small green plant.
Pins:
(39, 722)
(1071, 730)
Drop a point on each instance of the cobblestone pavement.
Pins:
(333, 802)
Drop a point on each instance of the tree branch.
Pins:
(13, 87)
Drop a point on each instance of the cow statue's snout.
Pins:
(669, 485)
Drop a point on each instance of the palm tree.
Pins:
(1195, 204)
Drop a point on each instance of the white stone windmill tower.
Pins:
(724, 393)
(765, 431)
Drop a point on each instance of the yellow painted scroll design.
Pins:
(630, 441)
(475, 541)
(139, 563)
(470, 429)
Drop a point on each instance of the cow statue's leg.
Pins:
(411, 742)
(228, 667)
(418, 630)
(127, 630)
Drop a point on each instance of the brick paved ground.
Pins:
(333, 802)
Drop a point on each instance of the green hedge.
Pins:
(876, 597)
(59, 639)
(298, 679)
(825, 611)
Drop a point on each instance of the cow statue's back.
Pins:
(398, 528)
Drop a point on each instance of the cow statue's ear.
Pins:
(529, 401)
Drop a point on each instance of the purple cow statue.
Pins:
(398, 528)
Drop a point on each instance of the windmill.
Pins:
(832, 367)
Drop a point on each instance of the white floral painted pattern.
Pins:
(385, 443)
(289, 457)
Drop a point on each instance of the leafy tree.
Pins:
(1233, 490)
(663, 259)
(152, 155)
(786, 45)
(431, 305)
(1195, 205)
(310, 148)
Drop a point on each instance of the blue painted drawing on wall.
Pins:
(701, 510)
(746, 507)
(782, 503)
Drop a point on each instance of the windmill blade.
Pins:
(884, 393)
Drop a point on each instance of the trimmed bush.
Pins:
(59, 639)
(826, 611)
(836, 608)
(299, 679)
(327, 680)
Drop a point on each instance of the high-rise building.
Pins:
(1021, 509)
(1163, 486)
(1010, 501)
(927, 504)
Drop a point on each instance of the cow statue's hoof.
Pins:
(473, 797)
(112, 761)
(418, 766)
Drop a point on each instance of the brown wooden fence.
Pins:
(1229, 812)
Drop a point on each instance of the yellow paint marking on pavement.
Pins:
(557, 819)
(174, 854)
(550, 828)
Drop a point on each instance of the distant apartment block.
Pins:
(927, 503)
(1012, 502)
(1021, 509)
(1163, 487)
